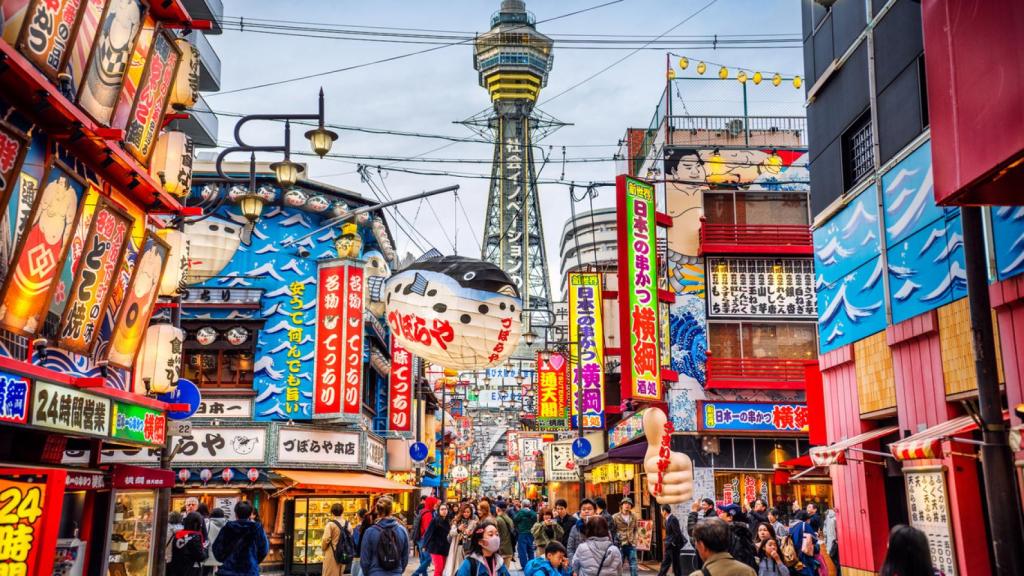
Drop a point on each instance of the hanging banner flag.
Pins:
(40, 255)
(147, 114)
(400, 401)
(135, 67)
(137, 307)
(49, 30)
(638, 290)
(328, 375)
(110, 57)
(101, 257)
(552, 393)
(352, 339)
(587, 364)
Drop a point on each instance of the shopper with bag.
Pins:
(596, 555)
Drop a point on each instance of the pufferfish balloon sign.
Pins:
(454, 311)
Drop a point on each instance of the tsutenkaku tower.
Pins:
(513, 61)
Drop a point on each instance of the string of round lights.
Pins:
(742, 75)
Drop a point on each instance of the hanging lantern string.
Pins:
(742, 75)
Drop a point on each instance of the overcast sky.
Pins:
(429, 92)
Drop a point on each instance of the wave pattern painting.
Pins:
(927, 270)
(687, 319)
(851, 307)
(1008, 233)
(848, 240)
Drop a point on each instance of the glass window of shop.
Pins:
(226, 369)
(755, 208)
(131, 533)
(792, 340)
(312, 515)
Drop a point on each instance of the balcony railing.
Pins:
(739, 131)
(757, 373)
(791, 239)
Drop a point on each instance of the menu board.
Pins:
(929, 513)
(761, 287)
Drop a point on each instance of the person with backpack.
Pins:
(214, 523)
(597, 555)
(437, 538)
(384, 547)
(483, 558)
(337, 543)
(742, 545)
(419, 530)
(507, 533)
(174, 524)
(674, 542)
(188, 549)
(712, 540)
(241, 544)
(801, 547)
(365, 521)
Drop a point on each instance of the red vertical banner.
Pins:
(400, 398)
(328, 375)
(352, 346)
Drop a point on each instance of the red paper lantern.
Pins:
(253, 475)
(227, 475)
(184, 475)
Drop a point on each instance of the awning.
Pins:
(927, 443)
(801, 467)
(349, 482)
(834, 453)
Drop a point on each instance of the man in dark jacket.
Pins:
(524, 519)
(507, 533)
(602, 511)
(742, 546)
(564, 519)
(241, 544)
(700, 512)
(370, 561)
(674, 542)
(758, 513)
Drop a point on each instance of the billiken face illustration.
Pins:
(460, 313)
(137, 307)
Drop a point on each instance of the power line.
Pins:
(396, 57)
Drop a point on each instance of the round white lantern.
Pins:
(206, 335)
(175, 276)
(205, 474)
(212, 244)
(237, 336)
(159, 360)
(185, 91)
(171, 164)
(227, 475)
(456, 312)
(295, 198)
(253, 475)
(184, 475)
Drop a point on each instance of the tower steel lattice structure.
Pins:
(513, 60)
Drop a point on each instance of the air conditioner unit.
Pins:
(735, 127)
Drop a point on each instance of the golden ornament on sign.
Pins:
(742, 77)
(723, 73)
(797, 82)
(777, 79)
(757, 78)
(701, 68)
(683, 63)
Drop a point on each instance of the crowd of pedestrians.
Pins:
(201, 542)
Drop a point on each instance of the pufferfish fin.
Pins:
(419, 285)
(375, 288)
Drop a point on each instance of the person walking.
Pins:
(332, 540)
(602, 510)
(483, 558)
(174, 524)
(813, 516)
(587, 510)
(908, 553)
(506, 531)
(241, 544)
(545, 531)
(769, 561)
(597, 555)
(781, 531)
(419, 530)
(384, 547)
(712, 540)
(758, 512)
(626, 532)
(437, 538)
(550, 562)
(365, 521)
(216, 521)
(805, 540)
(765, 533)
(524, 520)
(832, 538)
(460, 537)
(564, 519)
(674, 542)
(188, 550)
(483, 510)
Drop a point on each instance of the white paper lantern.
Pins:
(317, 204)
(294, 198)
(184, 475)
(206, 335)
(227, 475)
(237, 192)
(171, 164)
(175, 276)
(159, 360)
(456, 312)
(205, 474)
(267, 193)
(212, 244)
(209, 192)
(185, 90)
(253, 475)
(237, 336)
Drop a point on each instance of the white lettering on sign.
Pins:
(761, 287)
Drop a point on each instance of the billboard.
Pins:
(752, 417)
(587, 355)
(552, 392)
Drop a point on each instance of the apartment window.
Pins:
(858, 158)
(755, 208)
(790, 340)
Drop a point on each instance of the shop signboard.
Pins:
(147, 114)
(376, 454)
(30, 500)
(552, 390)
(14, 393)
(328, 377)
(85, 481)
(638, 290)
(137, 307)
(628, 430)
(129, 477)
(400, 398)
(139, 424)
(352, 340)
(587, 356)
(100, 257)
(928, 502)
(221, 408)
(13, 147)
(751, 417)
(318, 447)
(70, 410)
(761, 288)
(208, 444)
(559, 463)
(111, 56)
(644, 534)
(49, 33)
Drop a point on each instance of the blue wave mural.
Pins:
(849, 239)
(851, 307)
(908, 196)
(927, 270)
(687, 321)
(1008, 235)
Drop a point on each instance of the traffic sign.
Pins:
(185, 393)
(581, 447)
(418, 451)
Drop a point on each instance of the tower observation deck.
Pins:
(513, 60)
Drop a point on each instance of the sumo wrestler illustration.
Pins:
(137, 307)
(110, 59)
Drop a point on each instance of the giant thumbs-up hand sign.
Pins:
(669, 474)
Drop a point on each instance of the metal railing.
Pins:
(766, 235)
(759, 131)
(755, 373)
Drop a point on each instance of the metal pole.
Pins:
(996, 460)
(579, 412)
(444, 396)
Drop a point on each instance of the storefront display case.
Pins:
(305, 520)
(131, 533)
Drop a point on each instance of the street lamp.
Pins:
(530, 337)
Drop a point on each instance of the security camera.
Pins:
(303, 252)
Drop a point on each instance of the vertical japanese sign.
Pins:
(87, 299)
(587, 355)
(552, 395)
(352, 339)
(400, 400)
(147, 114)
(48, 33)
(638, 290)
(929, 512)
(110, 58)
(327, 375)
(30, 502)
(296, 323)
(133, 70)
(137, 307)
(13, 146)
(92, 14)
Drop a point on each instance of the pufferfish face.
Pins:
(459, 313)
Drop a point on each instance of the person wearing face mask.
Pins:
(483, 559)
